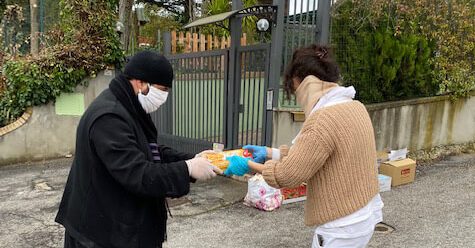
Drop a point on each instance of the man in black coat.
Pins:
(115, 195)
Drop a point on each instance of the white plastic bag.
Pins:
(262, 196)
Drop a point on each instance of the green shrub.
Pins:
(85, 43)
(392, 50)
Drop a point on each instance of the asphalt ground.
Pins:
(437, 210)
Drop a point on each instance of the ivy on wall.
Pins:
(84, 43)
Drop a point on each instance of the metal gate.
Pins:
(253, 75)
(205, 106)
(228, 96)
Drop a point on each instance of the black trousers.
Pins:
(71, 242)
(78, 241)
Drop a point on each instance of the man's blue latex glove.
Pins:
(237, 166)
(259, 153)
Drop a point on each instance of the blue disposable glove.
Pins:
(259, 153)
(237, 166)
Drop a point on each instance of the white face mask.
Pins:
(153, 100)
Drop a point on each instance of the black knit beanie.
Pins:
(150, 67)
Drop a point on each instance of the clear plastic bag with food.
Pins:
(262, 196)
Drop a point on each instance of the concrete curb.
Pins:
(18, 123)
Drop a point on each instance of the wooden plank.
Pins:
(243, 39)
(187, 42)
(173, 34)
(209, 43)
(216, 42)
(181, 40)
(209, 47)
(202, 42)
(223, 42)
(195, 42)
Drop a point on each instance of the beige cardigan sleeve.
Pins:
(304, 159)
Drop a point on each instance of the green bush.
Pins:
(392, 50)
(381, 64)
(85, 43)
(30, 85)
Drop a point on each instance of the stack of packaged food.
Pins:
(219, 159)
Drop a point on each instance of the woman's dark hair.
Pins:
(313, 60)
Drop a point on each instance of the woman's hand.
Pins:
(237, 166)
(259, 153)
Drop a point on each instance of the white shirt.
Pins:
(357, 224)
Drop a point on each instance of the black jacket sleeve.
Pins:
(169, 154)
(115, 144)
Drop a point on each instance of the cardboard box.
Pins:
(384, 183)
(401, 171)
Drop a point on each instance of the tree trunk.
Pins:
(34, 37)
(125, 9)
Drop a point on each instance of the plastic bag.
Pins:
(262, 196)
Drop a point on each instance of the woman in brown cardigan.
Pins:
(334, 153)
